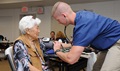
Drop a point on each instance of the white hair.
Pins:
(28, 22)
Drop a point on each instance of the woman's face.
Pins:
(34, 32)
(52, 34)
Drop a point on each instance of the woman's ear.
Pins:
(27, 31)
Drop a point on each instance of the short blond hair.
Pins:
(61, 7)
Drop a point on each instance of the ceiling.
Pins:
(11, 4)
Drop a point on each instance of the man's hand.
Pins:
(57, 45)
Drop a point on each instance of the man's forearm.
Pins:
(66, 57)
(66, 45)
(63, 56)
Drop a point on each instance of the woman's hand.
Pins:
(32, 68)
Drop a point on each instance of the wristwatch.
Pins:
(58, 50)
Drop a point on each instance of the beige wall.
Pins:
(9, 18)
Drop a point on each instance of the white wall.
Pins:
(110, 9)
(9, 20)
(11, 17)
(9, 23)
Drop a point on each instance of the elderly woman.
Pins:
(27, 53)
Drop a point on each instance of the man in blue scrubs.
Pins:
(92, 29)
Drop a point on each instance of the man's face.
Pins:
(62, 20)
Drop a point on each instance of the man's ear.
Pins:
(64, 15)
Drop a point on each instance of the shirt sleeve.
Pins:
(87, 28)
(84, 36)
(21, 57)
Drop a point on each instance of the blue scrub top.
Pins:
(93, 29)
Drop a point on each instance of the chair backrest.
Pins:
(9, 55)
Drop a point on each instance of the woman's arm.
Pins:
(22, 58)
(32, 68)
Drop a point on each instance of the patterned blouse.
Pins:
(22, 58)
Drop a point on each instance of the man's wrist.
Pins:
(58, 50)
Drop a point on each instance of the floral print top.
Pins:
(21, 56)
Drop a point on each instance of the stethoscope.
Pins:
(66, 34)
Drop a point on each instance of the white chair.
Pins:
(9, 55)
(91, 60)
